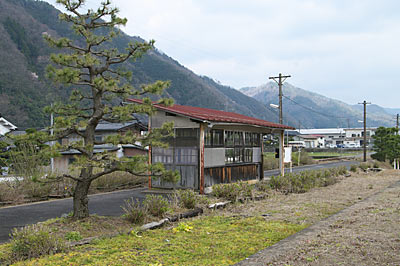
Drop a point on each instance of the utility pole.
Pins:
(52, 142)
(365, 129)
(280, 79)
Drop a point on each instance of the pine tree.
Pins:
(90, 66)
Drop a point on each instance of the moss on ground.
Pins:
(214, 240)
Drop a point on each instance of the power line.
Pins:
(317, 112)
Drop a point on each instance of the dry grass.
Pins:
(318, 203)
(364, 234)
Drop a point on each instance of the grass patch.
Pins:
(215, 240)
(332, 154)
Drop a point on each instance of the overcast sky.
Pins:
(347, 50)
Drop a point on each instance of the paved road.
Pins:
(108, 204)
(311, 167)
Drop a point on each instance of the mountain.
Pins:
(392, 111)
(24, 89)
(305, 109)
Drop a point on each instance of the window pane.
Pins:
(207, 138)
(238, 155)
(229, 139)
(256, 140)
(247, 139)
(229, 156)
(248, 156)
(238, 138)
(218, 136)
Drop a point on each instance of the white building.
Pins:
(348, 137)
(5, 126)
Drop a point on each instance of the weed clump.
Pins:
(73, 236)
(156, 205)
(304, 181)
(353, 168)
(364, 166)
(233, 191)
(134, 212)
(34, 241)
(186, 198)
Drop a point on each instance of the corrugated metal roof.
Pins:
(211, 115)
(104, 126)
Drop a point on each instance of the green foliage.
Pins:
(182, 227)
(18, 34)
(34, 241)
(26, 159)
(73, 236)
(95, 69)
(364, 166)
(353, 168)
(386, 144)
(134, 211)
(156, 205)
(232, 239)
(303, 181)
(233, 191)
(305, 158)
(186, 198)
(263, 186)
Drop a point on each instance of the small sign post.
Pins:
(288, 157)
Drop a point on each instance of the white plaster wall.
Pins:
(214, 157)
(3, 130)
(179, 122)
(257, 155)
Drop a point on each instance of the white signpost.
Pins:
(288, 156)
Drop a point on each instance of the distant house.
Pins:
(104, 129)
(311, 141)
(342, 136)
(355, 136)
(6, 126)
(210, 146)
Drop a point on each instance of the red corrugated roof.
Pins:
(212, 115)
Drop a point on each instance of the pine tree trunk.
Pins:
(81, 200)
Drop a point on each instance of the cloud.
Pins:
(343, 49)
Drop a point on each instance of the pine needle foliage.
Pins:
(93, 69)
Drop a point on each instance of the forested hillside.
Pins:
(311, 110)
(24, 89)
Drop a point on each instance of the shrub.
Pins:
(353, 168)
(117, 179)
(263, 186)
(304, 181)
(134, 211)
(232, 191)
(226, 191)
(342, 170)
(156, 205)
(73, 236)
(376, 164)
(278, 182)
(305, 158)
(270, 163)
(364, 166)
(186, 198)
(34, 241)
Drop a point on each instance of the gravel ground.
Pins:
(364, 230)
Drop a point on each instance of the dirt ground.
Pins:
(365, 232)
